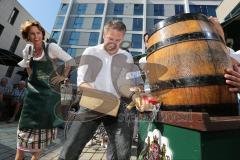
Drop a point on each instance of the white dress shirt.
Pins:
(103, 80)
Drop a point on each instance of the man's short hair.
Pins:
(115, 24)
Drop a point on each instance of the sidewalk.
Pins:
(8, 146)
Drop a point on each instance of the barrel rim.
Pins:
(177, 18)
(183, 38)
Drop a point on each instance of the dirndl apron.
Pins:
(40, 100)
(38, 121)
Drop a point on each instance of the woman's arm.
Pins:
(26, 60)
(56, 52)
(29, 71)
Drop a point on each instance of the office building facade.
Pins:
(79, 23)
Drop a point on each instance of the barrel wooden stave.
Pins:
(187, 59)
(183, 60)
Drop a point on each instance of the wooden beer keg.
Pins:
(195, 57)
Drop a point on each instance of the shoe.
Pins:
(104, 142)
(90, 143)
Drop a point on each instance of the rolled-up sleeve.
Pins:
(57, 52)
(82, 68)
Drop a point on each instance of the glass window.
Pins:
(71, 51)
(96, 23)
(63, 9)
(138, 9)
(212, 10)
(118, 9)
(55, 35)
(136, 53)
(137, 24)
(205, 9)
(93, 38)
(81, 9)
(78, 22)
(13, 16)
(158, 9)
(195, 8)
(59, 22)
(99, 8)
(117, 18)
(14, 44)
(1, 29)
(179, 9)
(74, 37)
(137, 41)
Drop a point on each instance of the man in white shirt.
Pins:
(100, 69)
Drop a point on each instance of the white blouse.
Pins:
(235, 55)
(54, 52)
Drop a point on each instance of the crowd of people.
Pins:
(11, 99)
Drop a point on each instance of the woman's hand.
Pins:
(57, 79)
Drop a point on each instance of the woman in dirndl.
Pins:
(38, 121)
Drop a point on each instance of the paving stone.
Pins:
(8, 146)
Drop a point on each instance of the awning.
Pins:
(8, 58)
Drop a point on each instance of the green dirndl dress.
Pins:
(38, 121)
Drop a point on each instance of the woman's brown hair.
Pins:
(25, 27)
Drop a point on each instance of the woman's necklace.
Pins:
(38, 52)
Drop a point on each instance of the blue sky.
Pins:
(44, 11)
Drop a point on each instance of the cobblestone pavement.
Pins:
(93, 151)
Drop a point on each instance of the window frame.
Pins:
(118, 9)
(137, 24)
(78, 25)
(158, 10)
(138, 10)
(96, 23)
(63, 9)
(13, 16)
(1, 29)
(93, 36)
(81, 8)
(137, 38)
(58, 24)
(99, 8)
(74, 38)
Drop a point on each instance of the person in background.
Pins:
(5, 89)
(5, 98)
(143, 59)
(232, 75)
(17, 99)
(38, 122)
